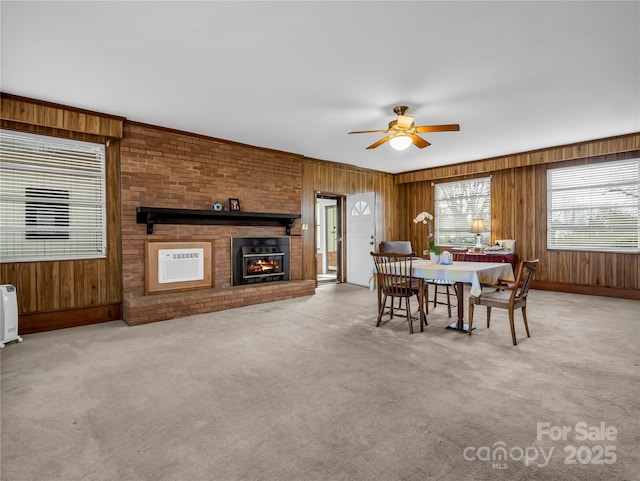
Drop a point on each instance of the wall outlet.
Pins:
(424, 253)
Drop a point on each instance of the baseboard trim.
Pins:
(588, 290)
(29, 323)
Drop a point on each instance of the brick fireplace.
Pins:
(177, 170)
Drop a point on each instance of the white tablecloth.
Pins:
(474, 273)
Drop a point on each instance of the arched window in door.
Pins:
(360, 208)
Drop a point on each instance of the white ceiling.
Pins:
(297, 76)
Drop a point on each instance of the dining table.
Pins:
(461, 272)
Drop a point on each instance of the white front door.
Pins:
(361, 237)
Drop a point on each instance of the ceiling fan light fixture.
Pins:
(401, 142)
(401, 133)
(404, 121)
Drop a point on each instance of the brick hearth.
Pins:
(145, 309)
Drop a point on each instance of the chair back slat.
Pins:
(395, 272)
(526, 270)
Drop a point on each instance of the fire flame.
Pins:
(262, 266)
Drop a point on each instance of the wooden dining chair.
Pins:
(400, 247)
(448, 287)
(510, 295)
(395, 277)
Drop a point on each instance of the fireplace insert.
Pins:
(259, 259)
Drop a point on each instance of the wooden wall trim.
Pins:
(30, 323)
(52, 132)
(582, 150)
(633, 294)
(47, 114)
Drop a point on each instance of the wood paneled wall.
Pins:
(519, 210)
(592, 149)
(341, 179)
(57, 294)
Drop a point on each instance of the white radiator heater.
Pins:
(8, 315)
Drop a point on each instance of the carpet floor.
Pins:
(309, 389)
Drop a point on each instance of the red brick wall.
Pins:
(163, 168)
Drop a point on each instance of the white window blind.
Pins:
(456, 205)
(52, 198)
(594, 207)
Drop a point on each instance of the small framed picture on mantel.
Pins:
(234, 204)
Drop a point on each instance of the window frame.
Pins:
(590, 176)
(39, 163)
(486, 215)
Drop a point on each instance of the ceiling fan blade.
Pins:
(437, 128)
(370, 132)
(380, 142)
(419, 141)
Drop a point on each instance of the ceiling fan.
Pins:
(402, 132)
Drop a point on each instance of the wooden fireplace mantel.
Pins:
(162, 215)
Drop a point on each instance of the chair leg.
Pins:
(488, 316)
(382, 304)
(420, 314)
(409, 318)
(524, 316)
(448, 302)
(426, 298)
(425, 303)
(470, 315)
(513, 328)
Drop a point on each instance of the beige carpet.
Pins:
(308, 389)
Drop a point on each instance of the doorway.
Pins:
(329, 238)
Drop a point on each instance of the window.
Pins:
(52, 198)
(456, 205)
(594, 207)
(360, 208)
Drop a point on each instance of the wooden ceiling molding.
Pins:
(46, 114)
